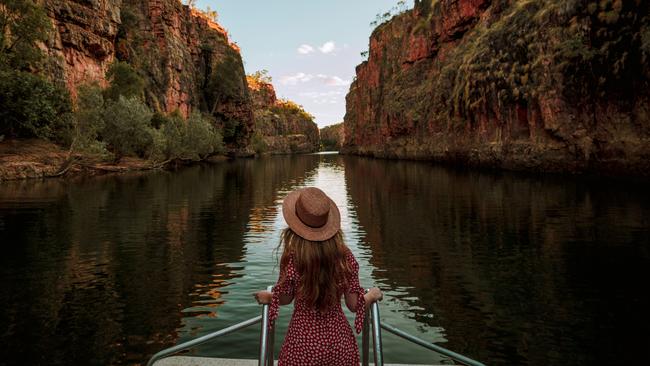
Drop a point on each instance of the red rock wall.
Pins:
(331, 137)
(283, 126)
(82, 44)
(175, 48)
(400, 107)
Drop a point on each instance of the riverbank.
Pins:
(38, 159)
(511, 156)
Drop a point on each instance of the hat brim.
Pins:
(325, 232)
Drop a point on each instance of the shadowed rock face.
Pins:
(331, 137)
(543, 86)
(283, 126)
(187, 60)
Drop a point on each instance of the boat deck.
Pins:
(205, 361)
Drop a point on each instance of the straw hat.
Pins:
(311, 214)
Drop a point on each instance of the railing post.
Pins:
(264, 334)
(364, 340)
(270, 346)
(376, 335)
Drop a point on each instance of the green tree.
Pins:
(202, 137)
(127, 128)
(31, 106)
(191, 139)
(89, 118)
(124, 81)
(262, 76)
(23, 24)
(258, 143)
(173, 128)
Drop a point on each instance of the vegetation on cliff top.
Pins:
(594, 49)
(279, 118)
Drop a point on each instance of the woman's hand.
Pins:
(374, 294)
(263, 297)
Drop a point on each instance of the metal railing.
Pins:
(267, 340)
(377, 325)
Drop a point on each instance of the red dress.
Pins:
(318, 338)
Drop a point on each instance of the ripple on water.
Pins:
(503, 268)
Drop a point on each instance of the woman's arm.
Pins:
(374, 294)
(265, 297)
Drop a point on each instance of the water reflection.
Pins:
(515, 270)
(507, 269)
(98, 271)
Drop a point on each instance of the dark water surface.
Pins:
(506, 269)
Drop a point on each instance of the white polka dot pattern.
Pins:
(318, 338)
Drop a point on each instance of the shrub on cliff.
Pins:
(193, 139)
(127, 128)
(258, 144)
(23, 24)
(31, 106)
(124, 81)
(202, 137)
(288, 108)
(89, 120)
(594, 49)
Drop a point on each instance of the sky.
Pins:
(309, 47)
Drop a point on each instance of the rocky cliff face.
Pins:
(187, 60)
(535, 85)
(331, 137)
(82, 45)
(281, 126)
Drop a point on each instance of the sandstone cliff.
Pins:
(281, 127)
(536, 85)
(331, 137)
(187, 60)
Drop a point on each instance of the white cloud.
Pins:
(316, 95)
(305, 49)
(327, 47)
(326, 101)
(300, 77)
(333, 80)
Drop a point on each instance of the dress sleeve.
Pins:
(355, 288)
(285, 286)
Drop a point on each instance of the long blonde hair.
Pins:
(322, 265)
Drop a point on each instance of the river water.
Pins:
(505, 268)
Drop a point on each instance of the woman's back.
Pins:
(316, 269)
(318, 336)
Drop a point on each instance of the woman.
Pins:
(317, 269)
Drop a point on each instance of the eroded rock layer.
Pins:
(186, 59)
(530, 85)
(281, 126)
